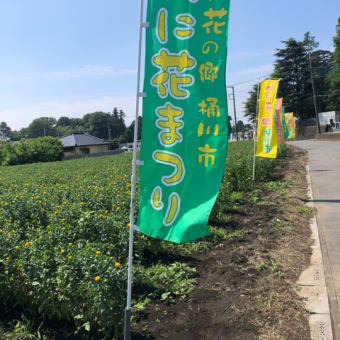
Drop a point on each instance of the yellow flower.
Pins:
(16, 247)
(62, 251)
(97, 252)
(117, 264)
(0, 230)
(63, 228)
(27, 244)
(97, 278)
(70, 257)
(70, 244)
(142, 236)
(63, 219)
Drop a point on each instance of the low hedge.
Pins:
(44, 149)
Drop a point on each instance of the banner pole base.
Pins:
(127, 324)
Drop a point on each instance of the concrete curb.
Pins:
(312, 284)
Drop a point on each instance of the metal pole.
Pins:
(236, 129)
(255, 129)
(314, 97)
(108, 129)
(127, 323)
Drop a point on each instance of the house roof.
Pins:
(81, 139)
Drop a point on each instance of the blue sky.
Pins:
(71, 57)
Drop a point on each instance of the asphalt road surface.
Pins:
(324, 163)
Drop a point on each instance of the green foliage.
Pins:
(5, 131)
(64, 239)
(334, 77)
(99, 124)
(166, 282)
(44, 149)
(250, 104)
(40, 127)
(304, 211)
(24, 330)
(292, 66)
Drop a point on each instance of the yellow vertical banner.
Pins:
(266, 129)
(290, 119)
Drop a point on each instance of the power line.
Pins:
(252, 80)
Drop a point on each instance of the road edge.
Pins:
(332, 297)
(313, 282)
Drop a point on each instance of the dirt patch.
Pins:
(246, 287)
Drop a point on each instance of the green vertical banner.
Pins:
(185, 117)
(284, 124)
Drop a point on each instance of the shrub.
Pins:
(44, 149)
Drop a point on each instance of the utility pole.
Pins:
(233, 89)
(314, 97)
(108, 129)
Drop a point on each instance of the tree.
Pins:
(117, 123)
(66, 126)
(292, 67)
(40, 127)
(128, 135)
(333, 99)
(64, 122)
(240, 126)
(15, 135)
(5, 131)
(230, 129)
(250, 104)
(97, 125)
(321, 67)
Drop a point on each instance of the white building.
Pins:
(325, 118)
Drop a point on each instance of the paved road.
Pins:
(324, 163)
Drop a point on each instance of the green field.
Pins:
(64, 235)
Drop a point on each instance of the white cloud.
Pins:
(20, 117)
(86, 71)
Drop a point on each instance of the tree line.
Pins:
(296, 64)
(107, 126)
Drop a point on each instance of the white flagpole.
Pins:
(127, 323)
(255, 129)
